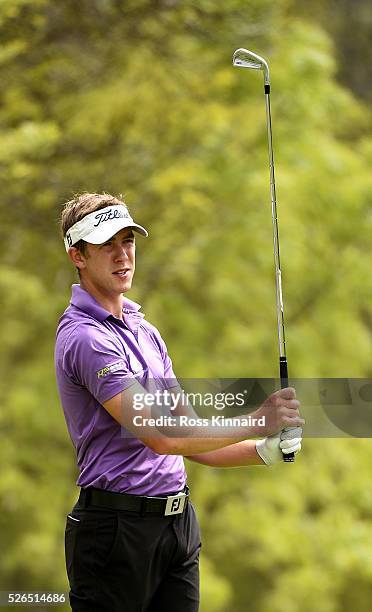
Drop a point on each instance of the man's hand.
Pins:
(281, 410)
(270, 449)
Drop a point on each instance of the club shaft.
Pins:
(278, 273)
(283, 365)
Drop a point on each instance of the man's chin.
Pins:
(126, 286)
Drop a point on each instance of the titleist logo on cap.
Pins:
(108, 215)
(100, 225)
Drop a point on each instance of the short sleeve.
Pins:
(168, 366)
(169, 375)
(95, 361)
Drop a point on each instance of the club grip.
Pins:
(283, 367)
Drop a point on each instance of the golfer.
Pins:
(132, 540)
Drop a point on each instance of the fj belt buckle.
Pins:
(175, 504)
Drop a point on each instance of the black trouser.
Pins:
(120, 561)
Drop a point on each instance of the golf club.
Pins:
(246, 59)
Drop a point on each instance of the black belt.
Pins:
(166, 506)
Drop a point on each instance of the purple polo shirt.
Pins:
(96, 357)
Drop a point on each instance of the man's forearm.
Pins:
(191, 446)
(239, 454)
(181, 432)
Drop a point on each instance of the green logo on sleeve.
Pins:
(110, 369)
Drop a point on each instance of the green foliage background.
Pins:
(139, 97)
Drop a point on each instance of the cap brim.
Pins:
(107, 230)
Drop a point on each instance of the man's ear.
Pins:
(77, 258)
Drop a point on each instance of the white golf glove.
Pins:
(287, 441)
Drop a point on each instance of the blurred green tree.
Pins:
(140, 97)
(349, 22)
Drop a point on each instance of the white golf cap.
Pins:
(100, 225)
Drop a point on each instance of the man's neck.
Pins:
(113, 304)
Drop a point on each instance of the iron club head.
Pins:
(243, 58)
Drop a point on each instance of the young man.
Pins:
(132, 539)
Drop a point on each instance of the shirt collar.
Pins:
(86, 302)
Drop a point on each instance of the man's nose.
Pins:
(120, 251)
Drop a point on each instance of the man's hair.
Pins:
(81, 205)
